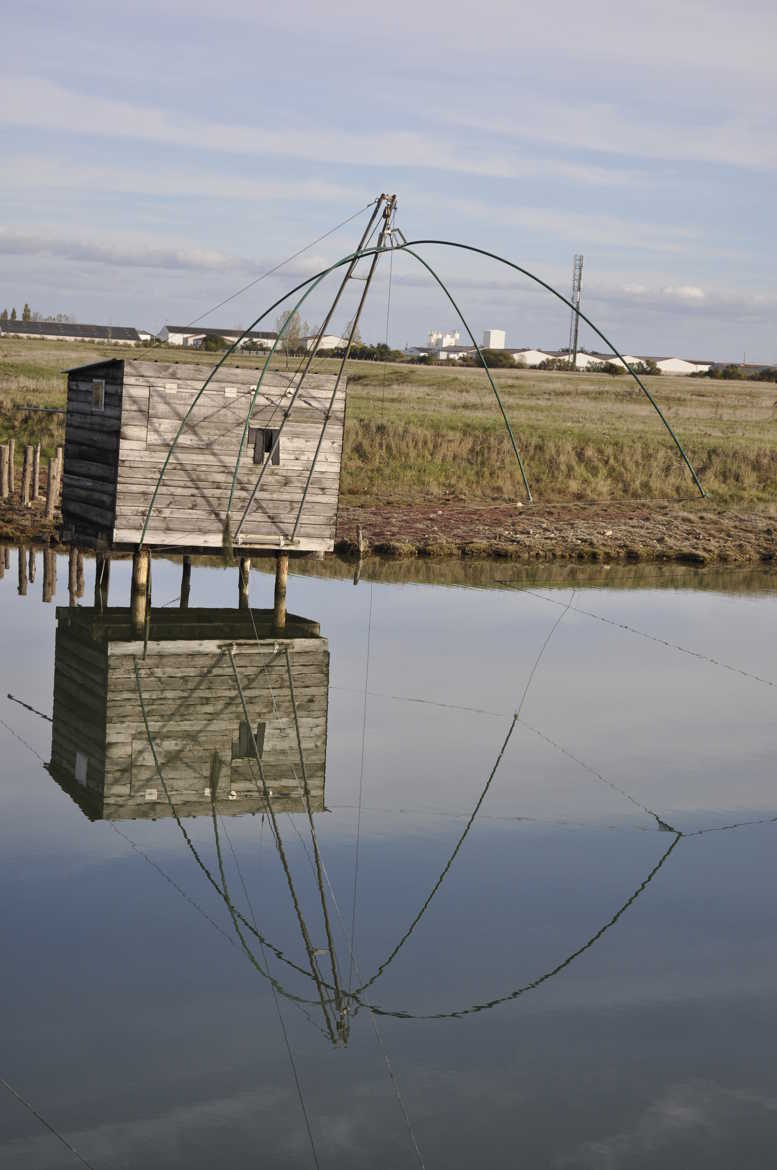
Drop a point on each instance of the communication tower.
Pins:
(574, 324)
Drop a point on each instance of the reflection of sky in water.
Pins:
(144, 1034)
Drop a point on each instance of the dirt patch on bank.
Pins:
(687, 532)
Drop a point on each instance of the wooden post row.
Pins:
(5, 478)
(27, 476)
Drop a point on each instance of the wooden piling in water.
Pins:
(31, 567)
(7, 557)
(281, 578)
(51, 488)
(11, 458)
(49, 574)
(186, 582)
(27, 476)
(22, 551)
(244, 574)
(5, 481)
(36, 472)
(79, 573)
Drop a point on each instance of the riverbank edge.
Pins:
(685, 532)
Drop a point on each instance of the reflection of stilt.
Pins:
(72, 575)
(141, 562)
(32, 566)
(49, 574)
(79, 573)
(186, 582)
(22, 570)
(281, 577)
(244, 573)
(102, 577)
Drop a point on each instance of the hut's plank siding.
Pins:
(114, 456)
(193, 709)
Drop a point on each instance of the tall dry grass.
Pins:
(414, 433)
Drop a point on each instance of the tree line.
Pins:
(29, 314)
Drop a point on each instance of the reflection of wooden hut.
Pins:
(122, 417)
(113, 694)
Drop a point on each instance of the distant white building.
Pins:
(193, 336)
(530, 357)
(493, 339)
(675, 365)
(328, 341)
(436, 340)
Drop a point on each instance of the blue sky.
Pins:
(155, 160)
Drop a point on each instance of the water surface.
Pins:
(552, 937)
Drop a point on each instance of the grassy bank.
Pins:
(416, 434)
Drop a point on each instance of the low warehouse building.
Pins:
(67, 331)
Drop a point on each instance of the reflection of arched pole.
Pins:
(518, 991)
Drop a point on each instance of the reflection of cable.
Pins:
(27, 707)
(252, 958)
(29, 746)
(652, 638)
(48, 1125)
(361, 789)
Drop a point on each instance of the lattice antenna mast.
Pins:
(574, 324)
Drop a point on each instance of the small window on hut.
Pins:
(265, 443)
(244, 748)
(98, 393)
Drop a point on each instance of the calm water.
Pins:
(553, 938)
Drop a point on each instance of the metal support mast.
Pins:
(574, 324)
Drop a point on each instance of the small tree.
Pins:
(357, 337)
(13, 314)
(26, 312)
(213, 342)
(4, 315)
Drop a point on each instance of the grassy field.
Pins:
(415, 434)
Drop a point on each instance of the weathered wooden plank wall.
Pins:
(194, 713)
(92, 451)
(191, 504)
(114, 455)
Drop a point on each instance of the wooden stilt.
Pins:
(281, 578)
(11, 458)
(5, 475)
(51, 488)
(31, 568)
(244, 573)
(27, 476)
(79, 573)
(36, 472)
(186, 582)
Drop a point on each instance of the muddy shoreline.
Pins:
(687, 532)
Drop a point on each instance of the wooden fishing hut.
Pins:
(122, 419)
(210, 689)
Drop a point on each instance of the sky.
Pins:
(157, 158)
